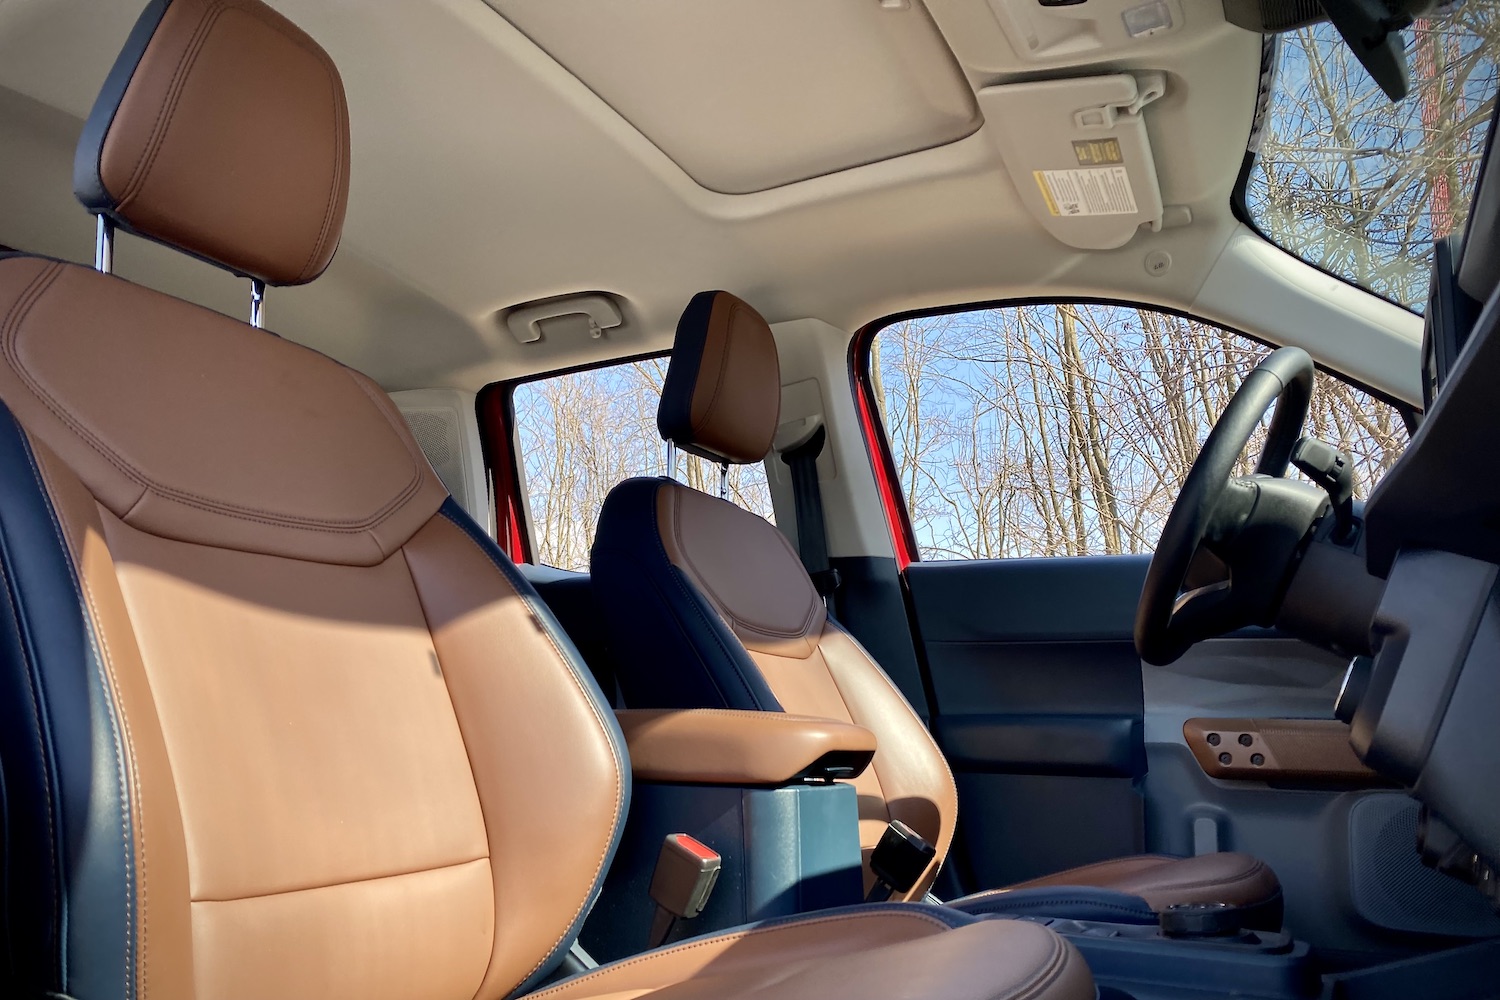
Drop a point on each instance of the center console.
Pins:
(759, 788)
(762, 790)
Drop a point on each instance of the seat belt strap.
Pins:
(812, 531)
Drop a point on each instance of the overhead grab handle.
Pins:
(527, 323)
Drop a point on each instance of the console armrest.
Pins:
(703, 746)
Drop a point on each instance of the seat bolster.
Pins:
(1073, 901)
(548, 758)
(1162, 880)
(94, 841)
(656, 616)
(854, 952)
(914, 776)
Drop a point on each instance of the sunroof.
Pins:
(804, 89)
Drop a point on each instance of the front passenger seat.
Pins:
(276, 719)
(708, 606)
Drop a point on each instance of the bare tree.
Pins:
(583, 433)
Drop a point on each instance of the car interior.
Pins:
(875, 498)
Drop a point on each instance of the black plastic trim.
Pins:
(68, 918)
(88, 185)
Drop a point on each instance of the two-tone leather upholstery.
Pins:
(722, 400)
(176, 146)
(709, 606)
(276, 719)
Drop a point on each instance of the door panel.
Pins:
(1067, 749)
(1039, 707)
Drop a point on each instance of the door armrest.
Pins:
(1278, 750)
(703, 746)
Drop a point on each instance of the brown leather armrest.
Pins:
(1283, 750)
(705, 746)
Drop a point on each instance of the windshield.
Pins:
(1362, 187)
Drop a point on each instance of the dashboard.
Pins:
(1423, 710)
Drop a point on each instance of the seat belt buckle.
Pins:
(826, 581)
(898, 861)
(685, 875)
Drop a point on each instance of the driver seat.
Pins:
(277, 719)
(709, 606)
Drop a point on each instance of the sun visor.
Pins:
(1078, 153)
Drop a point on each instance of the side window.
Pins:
(582, 433)
(1067, 429)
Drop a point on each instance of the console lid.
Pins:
(704, 746)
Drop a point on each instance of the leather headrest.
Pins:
(222, 131)
(722, 396)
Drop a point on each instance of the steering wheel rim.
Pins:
(1284, 377)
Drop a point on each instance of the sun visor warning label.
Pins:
(1087, 191)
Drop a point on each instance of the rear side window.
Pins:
(1067, 429)
(581, 433)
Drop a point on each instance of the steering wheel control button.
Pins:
(1214, 739)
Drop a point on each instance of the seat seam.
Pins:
(736, 936)
(10, 329)
(341, 882)
(803, 631)
(713, 395)
(615, 752)
(125, 765)
(739, 674)
(339, 129)
(41, 739)
(146, 159)
(1049, 974)
(952, 783)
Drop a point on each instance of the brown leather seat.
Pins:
(708, 606)
(276, 719)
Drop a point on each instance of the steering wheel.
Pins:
(1253, 524)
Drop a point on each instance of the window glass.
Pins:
(1068, 429)
(582, 433)
(1358, 185)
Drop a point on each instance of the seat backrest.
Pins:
(708, 605)
(276, 718)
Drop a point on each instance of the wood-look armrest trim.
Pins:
(1289, 750)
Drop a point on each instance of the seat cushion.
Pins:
(1162, 880)
(868, 951)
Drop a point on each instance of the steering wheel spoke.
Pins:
(1206, 611)
(1216, 513)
